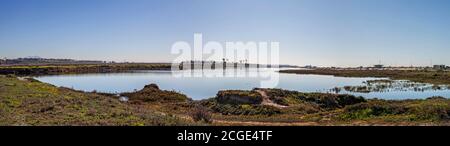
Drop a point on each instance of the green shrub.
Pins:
(431, 111)
(372, 109)
(434, 109)
(359, 114)
(151, 93)
(239, 97)
(344, 100)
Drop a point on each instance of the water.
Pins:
(205, 87)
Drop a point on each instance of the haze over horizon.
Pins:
(317, 32)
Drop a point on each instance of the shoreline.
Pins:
(27, 70)
(75, 69)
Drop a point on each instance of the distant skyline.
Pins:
(311, 32)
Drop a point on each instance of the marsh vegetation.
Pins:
(422, 76)
(386, 85)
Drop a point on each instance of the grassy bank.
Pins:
(84, 68)
(433, 77)
(30, 102)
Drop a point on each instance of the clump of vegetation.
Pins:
(239, 97)
(373, 108)
(283, 97)
(152, 93)
(424, 76)
(359, 89)
(201, 114)
(239, 109)
(432, 109)
(345, 99)
(390, 85)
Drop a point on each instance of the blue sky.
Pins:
(317, 32)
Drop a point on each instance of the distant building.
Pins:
(439, 67)
(378, 66)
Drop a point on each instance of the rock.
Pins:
(123, 98)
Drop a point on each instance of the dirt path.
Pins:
(267, 101)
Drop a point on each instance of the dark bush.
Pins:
(374, 108)
(328, 102)
(239, 97)
(201, 114)
(431, 112)
(346, 99)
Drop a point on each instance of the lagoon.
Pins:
(202, 84)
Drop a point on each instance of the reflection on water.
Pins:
(201, 84)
